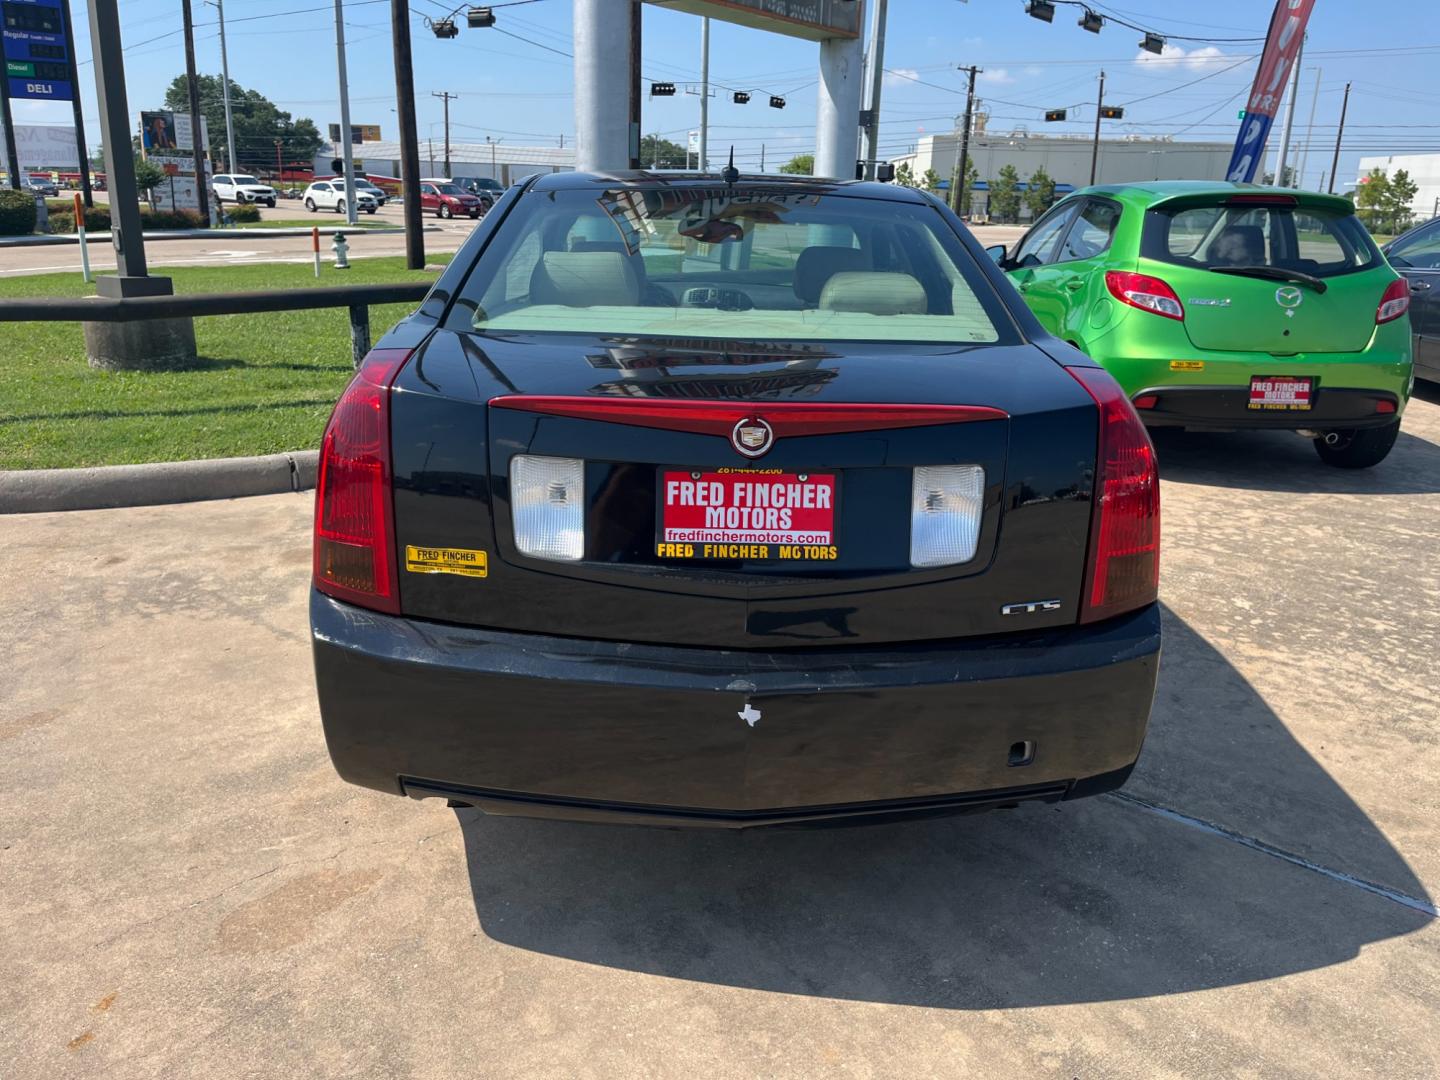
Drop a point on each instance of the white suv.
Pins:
(331, 195)
(242, 189)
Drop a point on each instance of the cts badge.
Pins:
(752, 437)
(1031, 607)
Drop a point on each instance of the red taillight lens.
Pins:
(1145, 292)
(1124, 568)
(354, 520)
(1394, 303)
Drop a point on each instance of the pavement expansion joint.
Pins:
(1393, 895)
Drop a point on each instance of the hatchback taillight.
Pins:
(1123, 571)
(354, 518)
(1395, 301)
(1146, 293)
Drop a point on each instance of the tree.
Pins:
(1289, 177)
(1039, 192)
(1372, 199)
(905, 175)
(658, 153)
(800, 165)
(1005, 195)
(148, 175)
(258, 122)
(1399, 196)
(930, 181)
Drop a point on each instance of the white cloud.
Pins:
(1032, 72)
(997, 77)
(1201, 59)
(901, 77)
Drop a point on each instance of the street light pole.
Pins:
(446, 97)
(230, 162)
(197, 146)
(409, 137)
(1289, 120)
(877, 80)
(1339, 134)
(704, 91)
(1095, 147)
(962, 162)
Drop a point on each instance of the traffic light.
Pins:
(1043, 10)
(662, 89)
(776, 102)
(1052, 115)
(445, 28)
(741, 98)
(1112, 112)
(480, 17)
(1153, 43)
(1092, 21)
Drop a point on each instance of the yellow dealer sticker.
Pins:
(463, 561)
(1187, 365)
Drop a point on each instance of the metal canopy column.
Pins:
(837, 117)
(602, 85)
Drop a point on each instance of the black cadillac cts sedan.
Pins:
(682, 501)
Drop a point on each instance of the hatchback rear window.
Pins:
(1225, 234)
(735, 262)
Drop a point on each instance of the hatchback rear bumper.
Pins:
(563, 727)
(1227, 407)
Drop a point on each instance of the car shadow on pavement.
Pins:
(1284, 461)
(1097, 900)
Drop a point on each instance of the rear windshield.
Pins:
(731, 262)
(1316, 241)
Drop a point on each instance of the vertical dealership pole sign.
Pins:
(1282, 43)
(37, 63)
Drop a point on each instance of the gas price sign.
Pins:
(36, 63)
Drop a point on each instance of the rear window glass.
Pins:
(731, 262)
(1315, 241)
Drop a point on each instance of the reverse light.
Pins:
(547, 507)
(946, 502)
(1123, 571)
(1394, 303)
(1145, 292)
(354, 518)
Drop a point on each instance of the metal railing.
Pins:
(358, 298)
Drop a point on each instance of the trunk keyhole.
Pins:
(1022, 753)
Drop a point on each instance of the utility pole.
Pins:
(1309, 133)
(704, 90)
(202, 187)
(1339, 134)
(81, 151)
(762, 157)
(636, 96)
(1289, 119)
(962, 162)
(446, 97)
(877, 80)
(230, 162)
(348, 153)
(409, 137)
(1095, 147)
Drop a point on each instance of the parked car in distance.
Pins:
(816, 522)
(447, 200)
(1220, 306)
(331, 195)
(1416, 255)
(40, 185)
(238, 188)
(381, 198)
(485, 189)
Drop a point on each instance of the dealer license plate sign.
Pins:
(1283, 393)
(750, 514)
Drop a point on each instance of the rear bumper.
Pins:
(1228, 407)
(561, 727)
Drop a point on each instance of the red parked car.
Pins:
(447, 200)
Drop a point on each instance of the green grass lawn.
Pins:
(265, 383)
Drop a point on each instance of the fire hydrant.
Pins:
(341, 249)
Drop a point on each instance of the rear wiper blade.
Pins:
(1274, 273)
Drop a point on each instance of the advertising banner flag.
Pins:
(1282, 43)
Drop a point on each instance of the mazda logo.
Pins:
(752, 437)
(1288, 296)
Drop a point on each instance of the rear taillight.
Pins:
(1394, 303)
(1123, 572)
(1145, 292)
(354, 519)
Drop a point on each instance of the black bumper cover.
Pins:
(1228, 407)
(562, 727)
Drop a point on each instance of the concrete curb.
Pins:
(35, 491)
(60, 239)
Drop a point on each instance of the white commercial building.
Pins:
(1066, 159)
(496, 160)
(1424, 171)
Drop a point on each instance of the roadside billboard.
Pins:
(359, 133)
(1282, 44)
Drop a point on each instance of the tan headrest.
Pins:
(585, 279)
(874, 293)
(815, 265)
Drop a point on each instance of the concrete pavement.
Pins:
(186, 889)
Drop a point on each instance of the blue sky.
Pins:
(520, 90)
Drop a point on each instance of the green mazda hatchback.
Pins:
(1220, 306)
